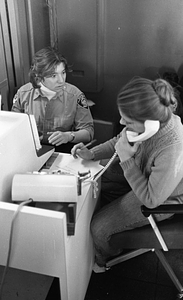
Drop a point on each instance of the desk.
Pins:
(41, 244)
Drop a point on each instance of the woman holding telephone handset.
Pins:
(149, 166)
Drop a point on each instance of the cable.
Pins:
(95, 183)
(106, 166)
(10, 241)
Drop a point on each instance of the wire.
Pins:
(10, 241)
(106, 166)
(94, 181)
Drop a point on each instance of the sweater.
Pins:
(155, 172)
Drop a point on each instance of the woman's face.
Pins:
(131, 125)
(56, 80)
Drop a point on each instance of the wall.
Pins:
(6, 70)
(38, 24)
(3, 76)
(142, 37)
(80, 30)
(25, 30)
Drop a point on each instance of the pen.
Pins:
(89, 144)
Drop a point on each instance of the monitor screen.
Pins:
(20, 150)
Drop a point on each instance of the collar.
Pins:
(38, 92)
(47, 92)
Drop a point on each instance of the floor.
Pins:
(141, 278)
(23, 285)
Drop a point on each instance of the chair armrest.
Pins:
(162, 209)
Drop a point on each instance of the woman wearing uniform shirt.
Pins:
(60, 109)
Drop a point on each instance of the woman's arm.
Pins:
(17, 107)
(58, 137)
(83, 122)
(154, 188)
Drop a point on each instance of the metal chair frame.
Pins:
(162, 209)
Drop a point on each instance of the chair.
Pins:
(167, 235)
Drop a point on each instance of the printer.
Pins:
(22, 158)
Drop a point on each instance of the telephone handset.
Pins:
(151, 127)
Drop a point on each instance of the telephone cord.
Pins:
(94, 181)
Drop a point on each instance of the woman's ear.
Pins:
(38, 78)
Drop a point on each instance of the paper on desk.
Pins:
(73, 165)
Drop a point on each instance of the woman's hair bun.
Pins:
(164, 91)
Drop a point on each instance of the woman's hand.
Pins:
(124, 149)
(81, 151)
(58, 137)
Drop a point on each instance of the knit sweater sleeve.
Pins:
(104, 150)
(166, 173)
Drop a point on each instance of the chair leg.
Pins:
(162, 259)
(170, 272)
(125, 257)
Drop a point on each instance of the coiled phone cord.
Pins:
(94, 181)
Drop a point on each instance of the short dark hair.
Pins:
(44, 63)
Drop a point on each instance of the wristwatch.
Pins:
(73, 136)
